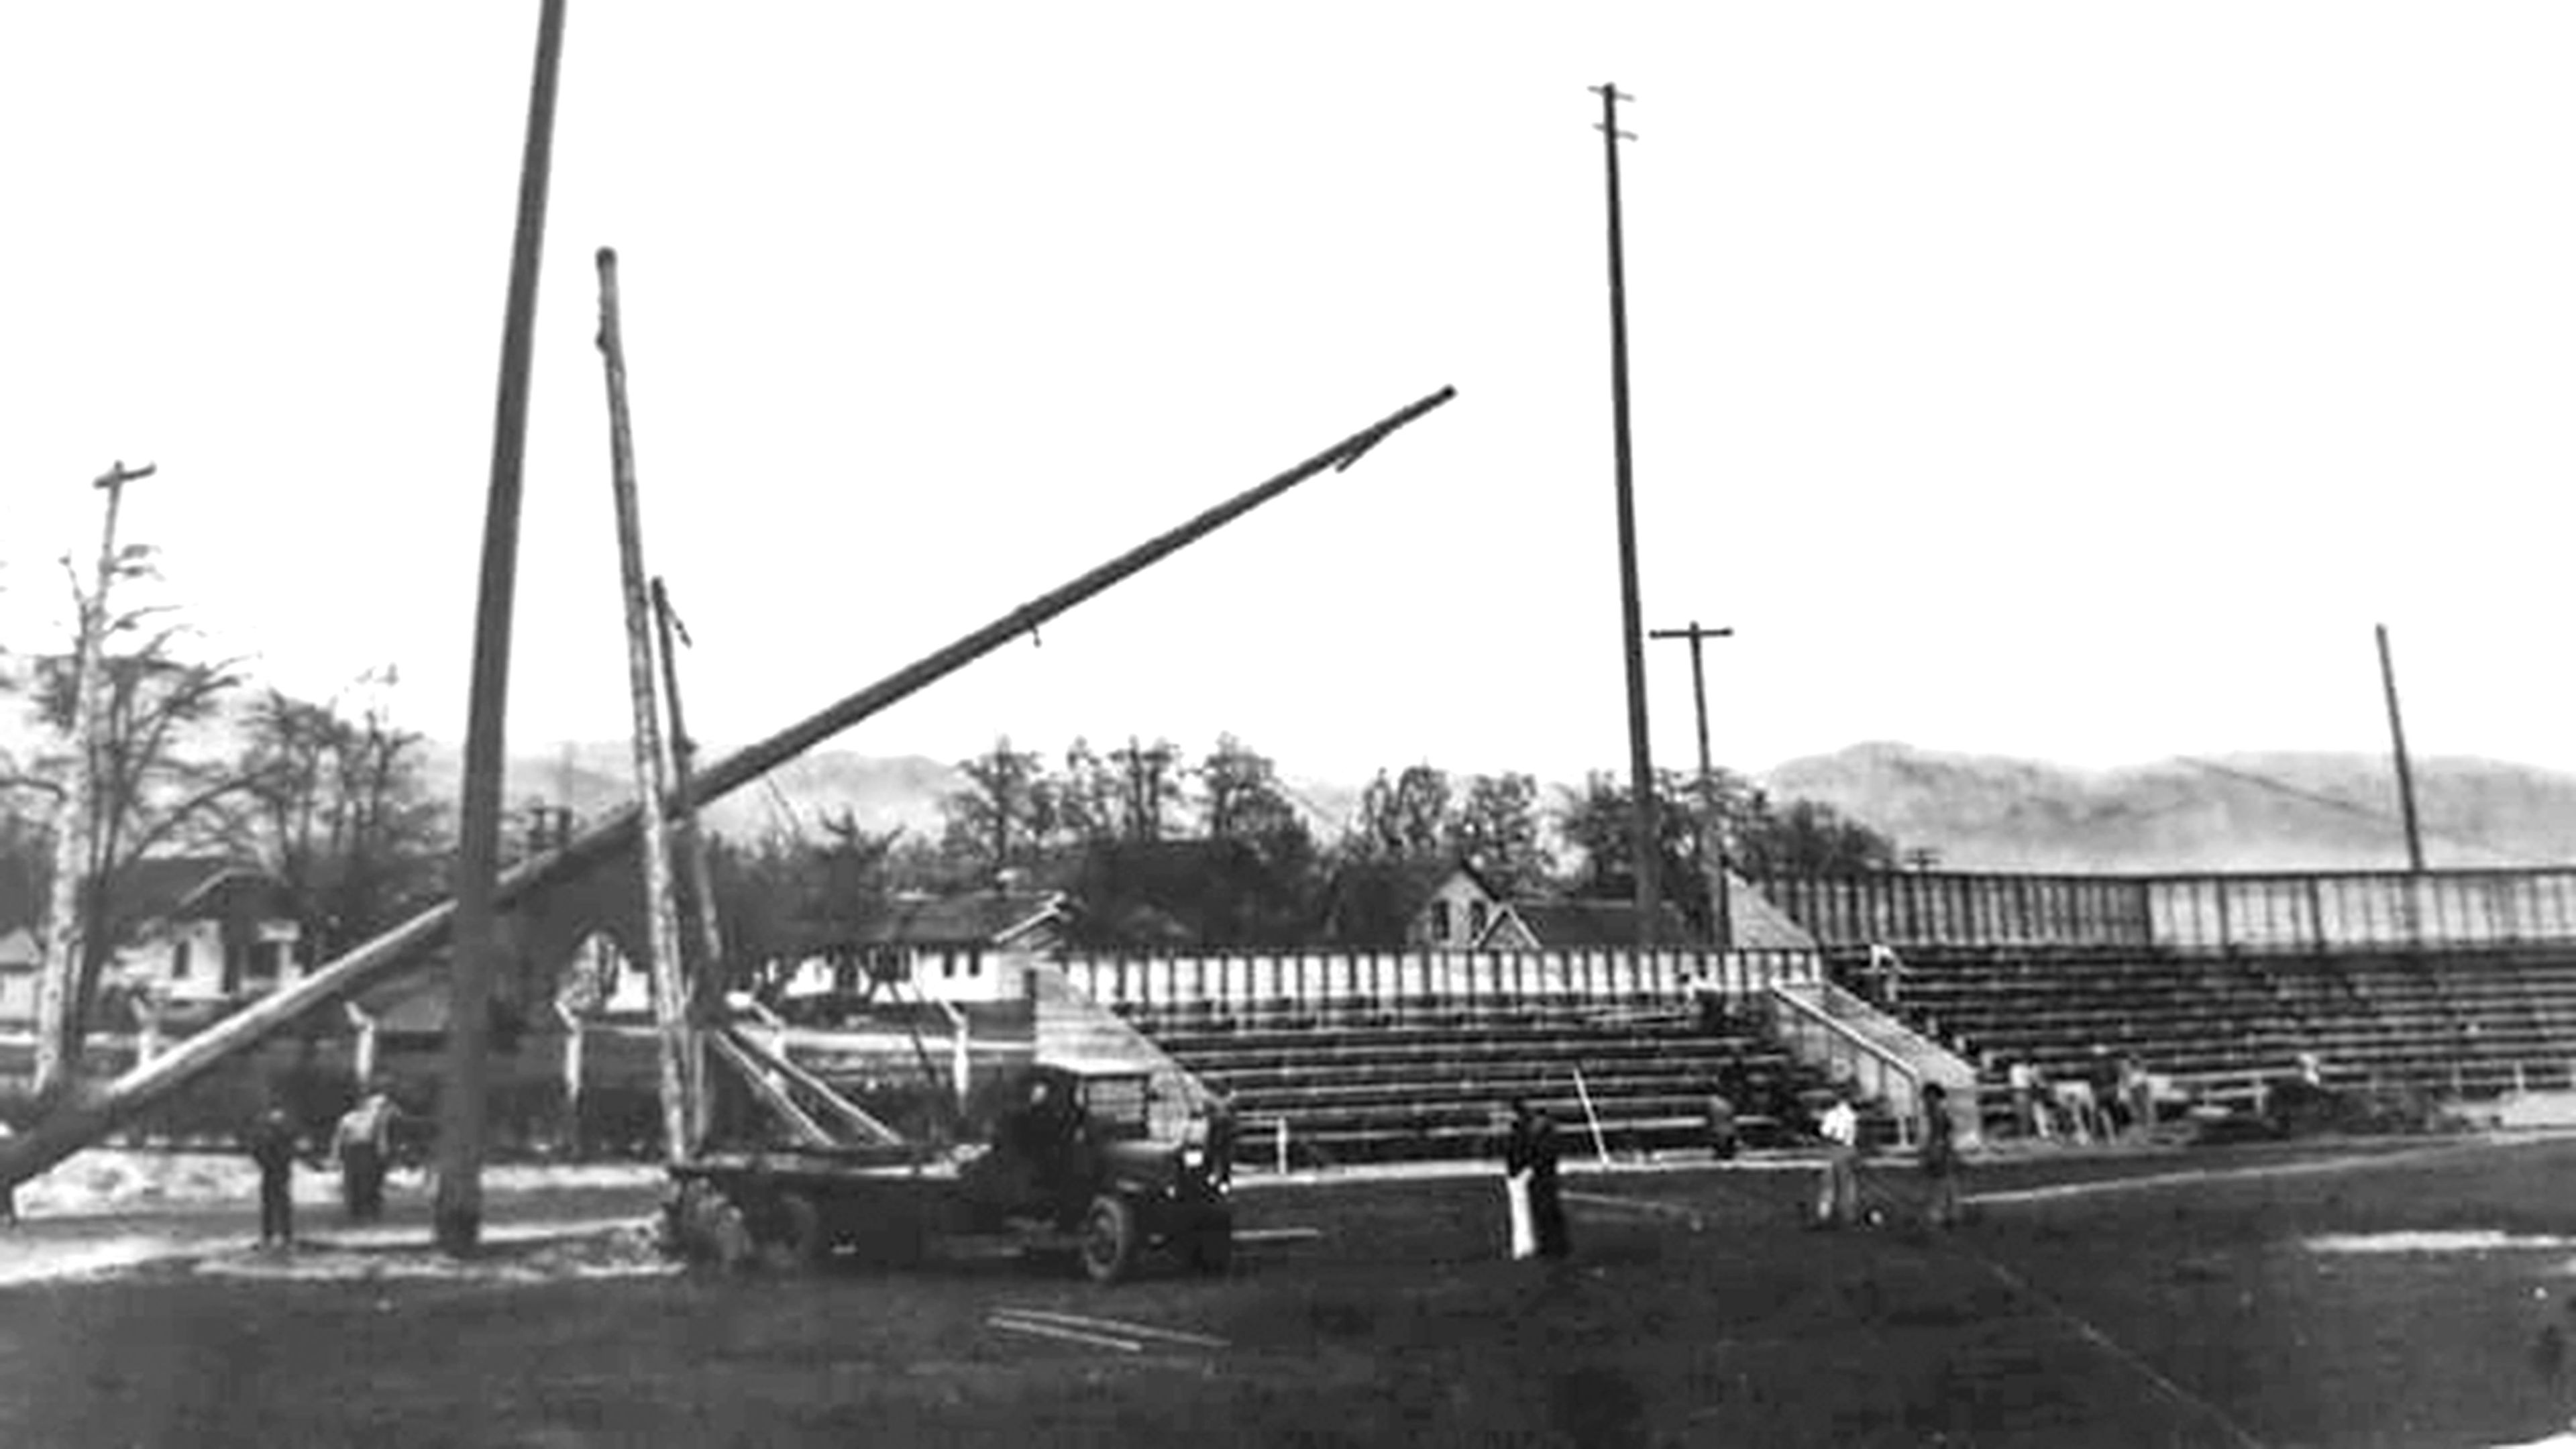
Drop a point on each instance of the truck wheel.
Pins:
(1108, 1238)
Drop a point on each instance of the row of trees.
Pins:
(1219, 850)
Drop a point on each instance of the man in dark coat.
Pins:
(1531, 1148)
(1940, 1157)
(272, 1147)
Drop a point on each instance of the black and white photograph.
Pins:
(1361, 724)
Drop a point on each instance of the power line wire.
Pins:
(2377, 815)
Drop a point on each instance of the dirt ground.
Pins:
(2154, 1304)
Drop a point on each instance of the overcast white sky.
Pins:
(2071, 380)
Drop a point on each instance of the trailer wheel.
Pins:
(737, 1250)
(806, 1244)
(1108, 1238)
(702, 1224)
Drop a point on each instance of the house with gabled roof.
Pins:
(1756, 925)
(1435, 905)
(193, 932)
(941, 948)
(1577, 925)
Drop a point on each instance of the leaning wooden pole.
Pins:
(2405, 768)
(705, 984)
(77, 1124)
(652, 778)
(458, 1214)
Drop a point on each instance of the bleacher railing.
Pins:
(1806, 1023)
(2254, 912)
(1318, 977)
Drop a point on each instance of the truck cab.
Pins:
(1071, 1151)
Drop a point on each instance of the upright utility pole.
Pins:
(1712, 843)
(652, 783)
(1641, 765)
(61, 985)
(2405, 771)
(458, 1214)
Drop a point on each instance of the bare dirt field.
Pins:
(2418, 1294)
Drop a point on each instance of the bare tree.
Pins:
(335, 806)
(1497, 828)
(1409, 818)
(155, 780)
(1007, 811)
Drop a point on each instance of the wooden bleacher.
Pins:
(1420, 1078)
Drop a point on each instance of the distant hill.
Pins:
(595, 777)
(2279, 811)
(881, 793)
(2247, 811)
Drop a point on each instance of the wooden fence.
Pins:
(1138, 979)
(2268, 912)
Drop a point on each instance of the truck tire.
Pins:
(1109, 1237)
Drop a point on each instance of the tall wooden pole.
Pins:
(2405, 771)
(705, 979)
(1712, 842)
(62, 986)
(652, 780)
(458, 1213)
(1641, 765)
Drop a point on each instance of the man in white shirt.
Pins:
(2028, 1104)
(1838, 1191)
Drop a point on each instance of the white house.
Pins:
(938, 948)
(205, 931)
(20, 954)
(192, 931)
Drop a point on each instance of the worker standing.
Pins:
(272, 1148)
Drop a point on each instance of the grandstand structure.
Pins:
(2456, 985)
(1330, 1058)
(2459, 984)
